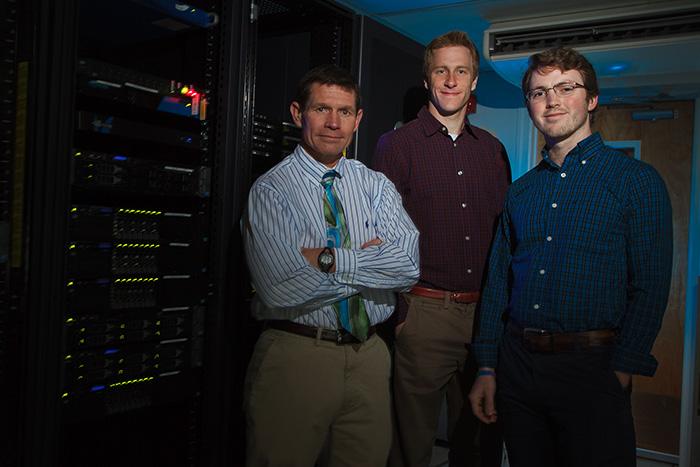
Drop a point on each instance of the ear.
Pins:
(592, 103)
(358, 117)
(476, 78)
(295, 110)
(425, 84)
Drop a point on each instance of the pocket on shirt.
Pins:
(596, 222)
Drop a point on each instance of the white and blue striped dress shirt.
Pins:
(285, 214)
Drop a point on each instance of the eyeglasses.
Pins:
(560, 89)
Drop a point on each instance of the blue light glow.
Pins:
(111, 351)
(617, 67)
(97, 388)
(119, 157)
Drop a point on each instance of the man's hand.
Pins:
(625, 379)
(482, 397)
(373, 242)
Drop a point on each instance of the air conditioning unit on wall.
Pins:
(646, 48)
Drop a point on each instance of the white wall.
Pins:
(515, 130)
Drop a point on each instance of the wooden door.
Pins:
(666, 145)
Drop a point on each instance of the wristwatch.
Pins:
(326, 259)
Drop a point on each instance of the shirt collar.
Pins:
(312, 168)
(584, 150)
(432, 125)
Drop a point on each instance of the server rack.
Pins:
(292, 37)
(131, 187)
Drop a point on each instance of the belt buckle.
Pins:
(453, 296)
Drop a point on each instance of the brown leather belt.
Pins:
(457, 297)
(543, 341)
(340, 336)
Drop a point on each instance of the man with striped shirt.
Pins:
(328, 243)
(577, 284)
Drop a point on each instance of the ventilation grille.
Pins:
(268, 7)
(607, 32)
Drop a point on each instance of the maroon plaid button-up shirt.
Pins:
(454, 192)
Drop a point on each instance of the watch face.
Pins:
(326, 260)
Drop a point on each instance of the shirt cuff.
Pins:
(630, 361)
(345, 265)
(486, 354)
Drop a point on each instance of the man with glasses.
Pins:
(577, 284)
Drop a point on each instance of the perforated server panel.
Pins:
(13, 102)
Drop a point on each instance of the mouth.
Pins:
(554, 115)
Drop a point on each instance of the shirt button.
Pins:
(542, 271)
(467, 238)
(464, 205)
(554, 205)
(444, 129)
(459, 172)
(469, 271)
(536, 306)
(583, 162)
(454, 144)
(563, 175)
(549, 238)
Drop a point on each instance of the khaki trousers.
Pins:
(305, 395)
(429, 363)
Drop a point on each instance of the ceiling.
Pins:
(653, 73)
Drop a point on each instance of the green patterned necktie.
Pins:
(351, 312)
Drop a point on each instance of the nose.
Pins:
(552, 98)
(333, 120)
(450, 80)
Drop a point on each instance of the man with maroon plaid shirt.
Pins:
(453, 178)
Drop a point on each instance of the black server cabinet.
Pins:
(132, 185)
(292, 37)
(391, 83)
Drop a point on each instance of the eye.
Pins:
(439, 71)
(536, 94)
(565, 88)
(321, 109)
(346, 112)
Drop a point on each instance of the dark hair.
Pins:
(564, 59)
(450, 39)
(329, 75)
